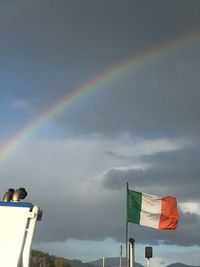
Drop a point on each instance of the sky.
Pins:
(95, 94)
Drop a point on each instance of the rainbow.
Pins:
(115, 72)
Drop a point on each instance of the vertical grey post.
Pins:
(131, 252)
(127, 260)
(148, 254)
(120, 256)
(103, 261)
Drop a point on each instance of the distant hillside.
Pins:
(112, 262)
(78, 263)
(41, 259)
(180, 265)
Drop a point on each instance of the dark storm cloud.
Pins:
(107, 219)
(100, 213)
(172, 173)
(81, 200)
(156, 99)
(54, 47)
(82, 219)
(169, 173)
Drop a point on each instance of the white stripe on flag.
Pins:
(150, 203)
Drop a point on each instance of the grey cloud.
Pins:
(78, 204)
(173, 173)
(107, 219)
(81, 219)
(163, 102)
(169, 173)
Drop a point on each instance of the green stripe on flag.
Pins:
(134, 203)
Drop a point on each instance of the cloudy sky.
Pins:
(94, 94)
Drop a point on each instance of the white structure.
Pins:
(17, 225)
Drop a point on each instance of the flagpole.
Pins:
(127, 245)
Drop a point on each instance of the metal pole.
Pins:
(131, 252)
(103, 261)
(127, 260)
(120, 256)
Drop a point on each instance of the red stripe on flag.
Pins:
(169, 214)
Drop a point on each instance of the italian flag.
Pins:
(152, 211)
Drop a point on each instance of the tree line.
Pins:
(41, 259)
